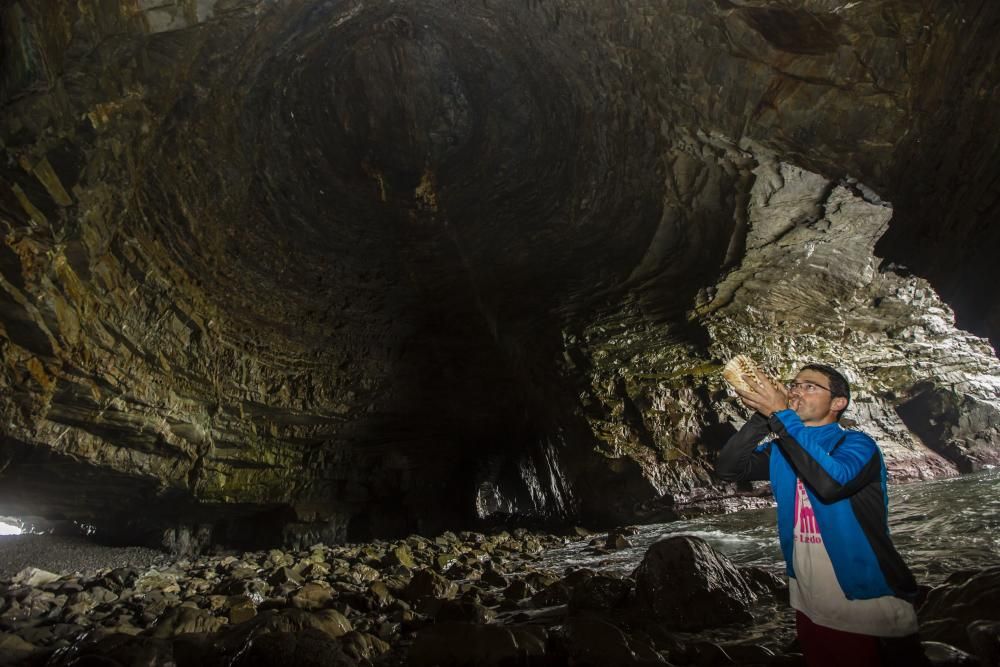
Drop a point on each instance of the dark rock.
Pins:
(684, 584)
(518, 589)
(592, 641)
(312, 595)
(617, 541)
(461, 644)
(984, 637)
(429, 584)
(305, 648)
(464, 611)
(964, 598)
(945, 655)
(328, 621)
(117, 649)
(601, 592)
(361, 646)
(764, 583)
(181, 620)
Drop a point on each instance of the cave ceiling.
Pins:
(389, 266)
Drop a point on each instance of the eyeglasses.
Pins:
(806, 387)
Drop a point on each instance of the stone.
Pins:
(330, 622)
(464, 611)
(399, 555)
(34, 577)
(428, 584)
(308, 647)
(964, 598)
(944, 655)
(181, 620)
(601, 592)
(312, 595)
(589, 640)
(454, 644)
(684, 584)
(363, 646)
(241, 608)
(617, 541)
(284, 575)
(13, 648)
(984, 638)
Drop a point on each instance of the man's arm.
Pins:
(831, 475)
(739, 460)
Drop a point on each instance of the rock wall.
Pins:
(284, 269)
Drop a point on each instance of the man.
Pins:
(847, 583)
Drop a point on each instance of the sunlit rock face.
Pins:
(328, 270)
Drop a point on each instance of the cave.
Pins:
(281, 272)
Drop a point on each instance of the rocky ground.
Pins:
(465, 599)
(56, 553)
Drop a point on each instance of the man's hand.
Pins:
(763, 396)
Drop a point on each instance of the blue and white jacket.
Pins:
(845, 478)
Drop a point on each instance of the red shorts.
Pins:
(825, 647)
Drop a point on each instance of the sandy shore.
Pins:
(64, 555)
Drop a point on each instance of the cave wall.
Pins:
(350, 269)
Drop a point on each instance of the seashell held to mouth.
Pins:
(736, 368)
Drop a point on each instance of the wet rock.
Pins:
(945, 655)
(517, 590)
(443, 561)
(557, 593)
(154, 580)
(464, 611)
(590, 640)
(984, 637)
(461, 644)
(601, 592)
(306, 648)
(617, 541)
(964, 598)
(363, 646)
(429, 584)
(748, 654)
(764, 583)
(32, 576)
(380, 595)
(313, 595)
(494, 577)
(708, 654)
(284, 575)
(686, 585)
(181, 620)
(240, 608)
(330, 622)
(14, 648)
(400, 555)
(117, 650)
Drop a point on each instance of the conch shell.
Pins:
(736, 368)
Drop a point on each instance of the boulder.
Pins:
(182, 620)
(589, 640)
(602, 591)
(306, 648)
(684, 584)
(461, 644)
(964, 598)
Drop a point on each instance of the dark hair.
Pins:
(838, 383)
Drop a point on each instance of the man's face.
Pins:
(811, 399)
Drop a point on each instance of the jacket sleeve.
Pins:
(832, 475)
(741, 459)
